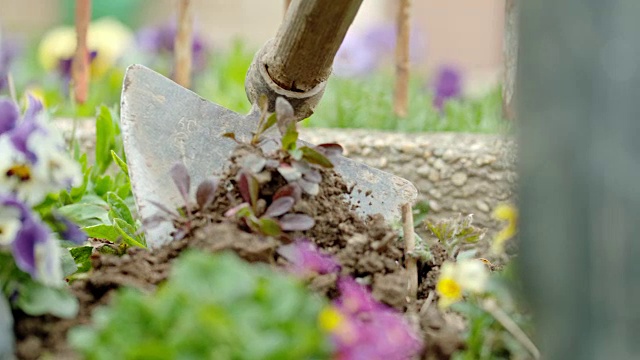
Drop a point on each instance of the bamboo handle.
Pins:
(307, 42)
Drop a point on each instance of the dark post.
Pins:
(579, 114)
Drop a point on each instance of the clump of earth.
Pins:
(366, 249)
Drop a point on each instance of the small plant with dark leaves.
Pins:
(205, 194)
(299, 166)
(271, 220)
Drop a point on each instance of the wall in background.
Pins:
(467, 33)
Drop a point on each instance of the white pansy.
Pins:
(9, 224)
(52, 171)
(48, 263)
(472, 275)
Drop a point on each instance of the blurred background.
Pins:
(462, 32)
(456, 54)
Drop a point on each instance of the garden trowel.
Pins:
(164, 123)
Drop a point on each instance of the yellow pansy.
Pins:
(107, 36)
(508, 213)
(456, 279)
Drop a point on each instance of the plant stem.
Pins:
(80, 64)
(409, 247)
(183, 44)
(492, 308)
(12, 88)
(401, 93)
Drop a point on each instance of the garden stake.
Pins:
(164, 123)
(409, 247)
(401, 94)
(80, 64)
(183, 44)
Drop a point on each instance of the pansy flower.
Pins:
(362, 52)
(33, 159)
(363, 328)
(447, 84)
(107, 39)
(508, 213)
(33, 246)
(304, 256)
(467, 276)
(159, 40)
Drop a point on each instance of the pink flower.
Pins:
(370, 330)
(304, 256)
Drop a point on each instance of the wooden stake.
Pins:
(510, 53)
(401, 94)
(80, 64)
(183, 44)
(409, 246)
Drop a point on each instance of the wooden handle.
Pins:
(307, 42)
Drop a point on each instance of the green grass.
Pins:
(365, 102)
(359, 102)
(368, 103)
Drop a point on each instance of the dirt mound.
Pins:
(367, 249)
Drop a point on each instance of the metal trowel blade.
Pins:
(164, 123)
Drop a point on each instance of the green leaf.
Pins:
(314, 157)
(121, 163)
(64, 197)
(271, 120)
(119, 209)
(269, 227)
(7, 340)
(78, 192)
(105, 139)
(128, 233)
(69, 266)
(124, 191)
(36, 299)
(85, 214)
(102, 185)
(82, 256)
(102, 231)
(290, 137)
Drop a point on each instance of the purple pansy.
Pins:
(160, 40)
(363, 52)
(355, 57)
(34, 161)
(371, 330)
(32, 236)
(9, 114)
(304, 256)
(65, 66)
(69, 231)
(447, 85)
(383, 37)
(23, 130)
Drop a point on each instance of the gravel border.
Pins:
(454, 172)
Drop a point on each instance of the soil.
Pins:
(367, 249)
